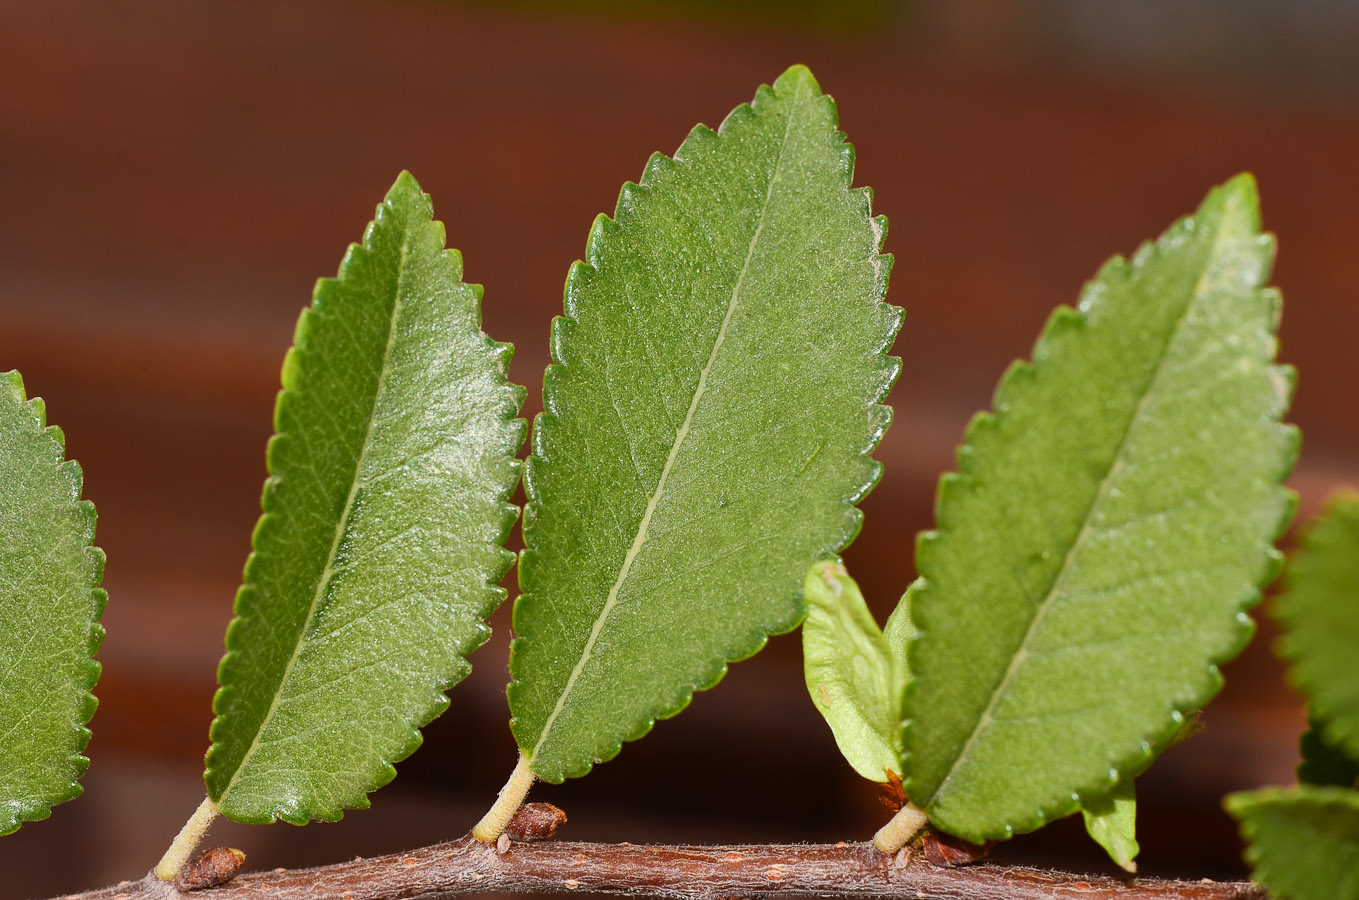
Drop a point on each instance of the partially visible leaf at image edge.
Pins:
(376, 559)
(1108, 527)
(1319, 614)
(709, 414)
(1302, 843)
(1323, 763)
(50, 604)
(853, 678)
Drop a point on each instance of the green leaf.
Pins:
(50, 603)
(1112, 821)
(851, 674)
(900, 631)
(1303, 843)
(1319, 613)
(377, 556)
(1107, 528)
(1323, 763)
(709, 417)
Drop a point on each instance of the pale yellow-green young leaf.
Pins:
(852, 675)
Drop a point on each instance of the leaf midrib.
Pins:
(635, 550)
(341, 526)
(1101, 495)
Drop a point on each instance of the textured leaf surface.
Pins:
(854, 681)
(1319, 612)
(1112, 821)
(50, 604)
(1107, 528)
(376, 559)
(1324, 763)
(1303, 843)
(900, 631)
(710, 409)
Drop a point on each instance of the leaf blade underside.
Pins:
(1302, 843)
(50, 604)
(1107, 529)
(851, 674)
(1319, 614)
(375, 561)
(712, 402)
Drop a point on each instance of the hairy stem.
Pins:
(184, 843)
(511, 797)
(468, 866)
(905, 825)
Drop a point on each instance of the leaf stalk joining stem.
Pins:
(906, 824)
(186, 841)
(507, 804)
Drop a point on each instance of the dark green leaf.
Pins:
(50, 603)
(1108, 527)
(1319, 613)
(376, 559)
(854, 680)
(1324, 763)
(1303, 843)
(709, 416)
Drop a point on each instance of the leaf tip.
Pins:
(795, 76)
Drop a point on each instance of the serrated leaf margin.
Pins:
(290, 373)
(1136, 760)
(1240, 805)
(582, 270)
(12, 383)
(1338, 727)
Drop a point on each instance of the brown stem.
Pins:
(468, 866)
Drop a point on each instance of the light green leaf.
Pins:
(1112, 821)
(50, 603)
(851, 674)
(710, 411)
(1108, 527)
(377, 556)
(1303, 843)
(1323, 763)
(1319, 613)
(900, 631)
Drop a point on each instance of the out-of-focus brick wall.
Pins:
(175, 176)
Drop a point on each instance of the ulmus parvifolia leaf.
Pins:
(50, 603)
(1107, 528)
(1111, 821)
(900, 631)
(710, 410)
(853, 678)
(376, 559)
(1302, 843)
(1319, 613)
(1323, 763)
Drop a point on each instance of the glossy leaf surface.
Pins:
(1107, 528)
(1319, 613)
(852, 677)
(50, 603)
(1111, 821)
(710, 410)
(1302, 843)
(376, 559)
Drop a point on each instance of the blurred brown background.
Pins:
(176, 174)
